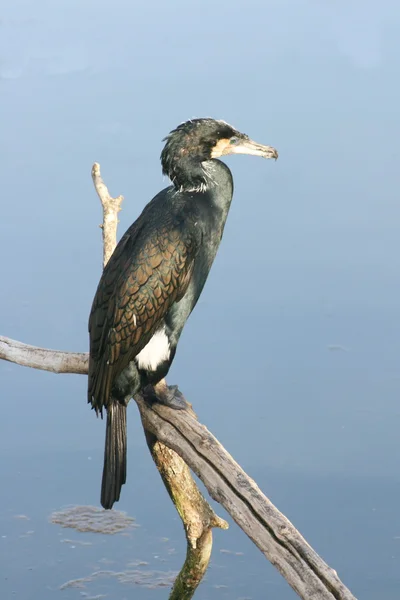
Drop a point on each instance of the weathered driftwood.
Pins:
(229, 485)
(44, 359)
(111, 207)
(177, 442)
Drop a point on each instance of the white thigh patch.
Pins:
(155, 352)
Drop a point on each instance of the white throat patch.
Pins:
(155, 352)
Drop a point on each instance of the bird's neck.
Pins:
(219, 181)
(217, 195)
(188, 175)
(191, 175)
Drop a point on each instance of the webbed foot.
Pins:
(168, 395)
(171, 396)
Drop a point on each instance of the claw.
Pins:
(168, 396)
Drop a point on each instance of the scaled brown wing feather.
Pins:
(136, 290)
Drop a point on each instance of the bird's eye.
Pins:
(234, 140)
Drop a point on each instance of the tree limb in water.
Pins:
(178, 442)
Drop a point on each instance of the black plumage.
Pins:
(155, 276)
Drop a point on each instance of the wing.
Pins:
(147, 273)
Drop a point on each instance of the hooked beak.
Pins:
(250, 147)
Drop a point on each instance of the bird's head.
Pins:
(199, 140)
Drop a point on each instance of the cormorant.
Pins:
(155, 277)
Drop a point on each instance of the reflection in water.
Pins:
(38, 557)
(93, 519)
(140, 577)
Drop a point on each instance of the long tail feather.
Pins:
(114, 470)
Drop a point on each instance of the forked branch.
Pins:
(177, 442)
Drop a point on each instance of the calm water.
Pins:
(292, 357)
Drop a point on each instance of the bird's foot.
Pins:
(173, 398)
(168, 395)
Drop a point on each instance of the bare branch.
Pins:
(229, 485)
(111, 207)
(226, 482)
(177, 442)
(197, 516)
(43, 358)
